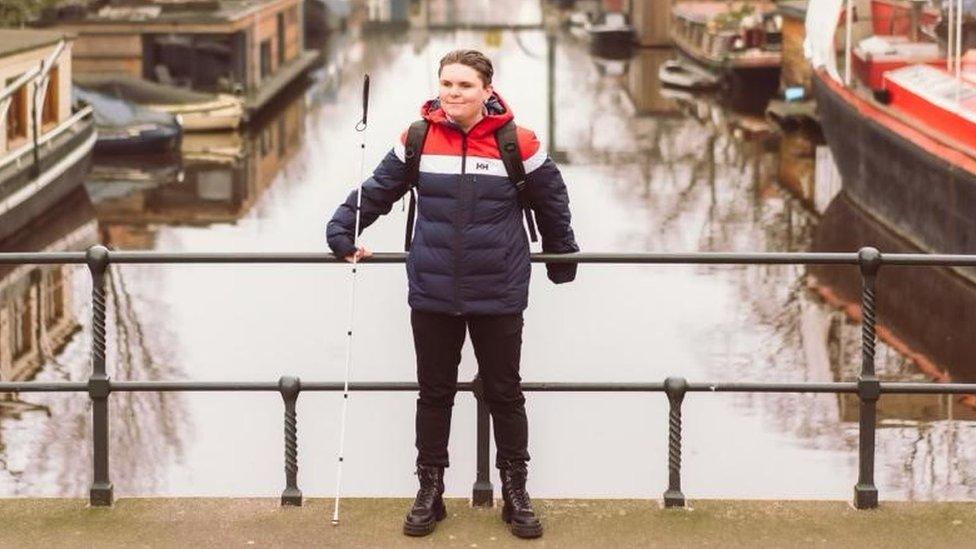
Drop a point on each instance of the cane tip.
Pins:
(335, 522)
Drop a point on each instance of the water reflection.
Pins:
(216, 178)
(44, 438)
(920, 310)
(927, 432)
(36, 302)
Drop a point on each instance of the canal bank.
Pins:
(568, 522)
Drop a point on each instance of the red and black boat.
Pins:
(901, 124)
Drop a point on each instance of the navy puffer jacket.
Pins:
(470, 252)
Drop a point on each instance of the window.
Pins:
(54, 296)
(17, 114)
(265, 59)
(282, 138)
(281, 39)
(22, 327)
(50, 113)
(265, 142)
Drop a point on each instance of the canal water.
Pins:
(646, 171)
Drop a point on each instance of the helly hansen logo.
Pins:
(481, 166)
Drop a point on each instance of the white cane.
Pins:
(360, 127)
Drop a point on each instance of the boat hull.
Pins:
(206, 122)
(62, 169)
(161, 139)
(223, 113)
(922, 189)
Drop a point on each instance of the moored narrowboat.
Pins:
(45, 143)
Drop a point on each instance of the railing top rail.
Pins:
(636, 258)
(528, 386)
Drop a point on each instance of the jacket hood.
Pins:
(498, 114)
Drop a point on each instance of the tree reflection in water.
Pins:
(50, 454)
(722, 171)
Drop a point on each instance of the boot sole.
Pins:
(418, 530)
(521, 530)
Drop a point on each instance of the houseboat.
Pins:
(45, 143)
(250, 48)
(738, 41)
(899, 114)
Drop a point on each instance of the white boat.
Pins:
(197, 111)
(45, 145)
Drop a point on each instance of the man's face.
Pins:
(462, 93)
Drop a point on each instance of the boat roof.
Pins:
(703, 11)
(112, 112)
(13, 41)
(138, 90)
(938, 88)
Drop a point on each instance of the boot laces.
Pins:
(520, 498)
(517, 493)
(428, 486)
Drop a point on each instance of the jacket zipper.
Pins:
(459, 227)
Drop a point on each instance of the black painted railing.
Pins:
(867, 387)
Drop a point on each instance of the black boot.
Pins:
(517, 510)
(428, 508)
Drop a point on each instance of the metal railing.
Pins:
(868, 388)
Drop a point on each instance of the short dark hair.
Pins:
(471, 58)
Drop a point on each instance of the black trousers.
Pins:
(497, 340)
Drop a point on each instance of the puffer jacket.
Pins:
(470, 252)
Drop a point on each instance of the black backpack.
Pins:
(507, 141)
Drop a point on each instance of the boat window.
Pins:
(215, 185)
(49, 115)
(17, 114)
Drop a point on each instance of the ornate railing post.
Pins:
(482, 494)
(99, 386)
(868, 387)
(289, 388)
(675, 388)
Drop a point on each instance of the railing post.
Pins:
(99, 386)
(290, 387)
(675, 388)
(868, 387)
(482, 494)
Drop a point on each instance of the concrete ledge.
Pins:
(212, 522)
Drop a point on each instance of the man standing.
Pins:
(468, 270)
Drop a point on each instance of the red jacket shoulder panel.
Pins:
(527, 141)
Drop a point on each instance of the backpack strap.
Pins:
(507, 139)
(412, 150)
